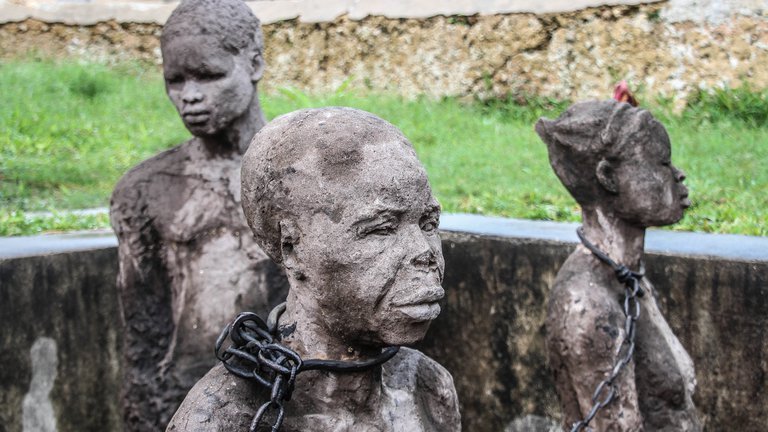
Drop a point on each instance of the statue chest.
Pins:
(399, 411)
(664, 371)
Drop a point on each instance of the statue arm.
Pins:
(437, 393)
(145, 306)
(219, 402)
(446, 402)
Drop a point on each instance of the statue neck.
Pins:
(623, 242)
(353, 391)
(234, 141)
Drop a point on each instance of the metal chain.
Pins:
(256, 354)
(605, 392)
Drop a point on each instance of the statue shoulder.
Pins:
(145, 173)
(430, 383)
(220, 401)
(582, 279)
(584, 309)
(136, 190)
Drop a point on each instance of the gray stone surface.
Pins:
(682, 243)
(22, 246)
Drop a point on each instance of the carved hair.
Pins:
(589, 132)
(294, 154)
(230, 21)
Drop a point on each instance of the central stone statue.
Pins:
(615, 161)
(187, 259)
(338, 197)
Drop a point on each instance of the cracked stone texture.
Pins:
(567, 56)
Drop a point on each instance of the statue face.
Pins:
(372, 255)
(650, 188)
(209, 86)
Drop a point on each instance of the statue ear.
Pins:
(606, 175)
(258, 65)
(289, 239)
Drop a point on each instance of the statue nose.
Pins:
(425, 259)
(679, 175)
(191, 94)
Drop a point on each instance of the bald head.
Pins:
(230, 21)
(303, 161)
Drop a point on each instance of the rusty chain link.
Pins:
(256, 354)
(605, 392)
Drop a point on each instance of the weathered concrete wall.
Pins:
(71, 299)
(670, 48)
(489, 335)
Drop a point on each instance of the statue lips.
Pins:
(194, 117)
(684, 201)
(423, 305)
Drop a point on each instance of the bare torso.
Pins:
(184, 243)
(416, 394)
(585, 328)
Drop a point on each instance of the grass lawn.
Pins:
(69, 130)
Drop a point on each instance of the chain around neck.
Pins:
(256, 354)
(623, 273)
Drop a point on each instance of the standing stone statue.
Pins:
(338, 197)
(615, 161)
(187, 259)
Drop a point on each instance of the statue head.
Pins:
(338, 196)
(609, 154)
(212, 62)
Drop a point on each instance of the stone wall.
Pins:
(489, 335)
(68, 300)
(671, 48)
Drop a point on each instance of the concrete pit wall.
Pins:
(484, 48)
(71, 299)
(489, 335)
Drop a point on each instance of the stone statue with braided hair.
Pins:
(338, 197)
(187, 260)
(615, 161)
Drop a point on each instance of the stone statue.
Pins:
(187, 259)
(615, 161)
(338, 197)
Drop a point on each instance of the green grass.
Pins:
(14, 223)
(68, 131)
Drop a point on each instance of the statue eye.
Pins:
(210, 76)
(379, 228)
(382, 230)
(429, 223)
(174, 79)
